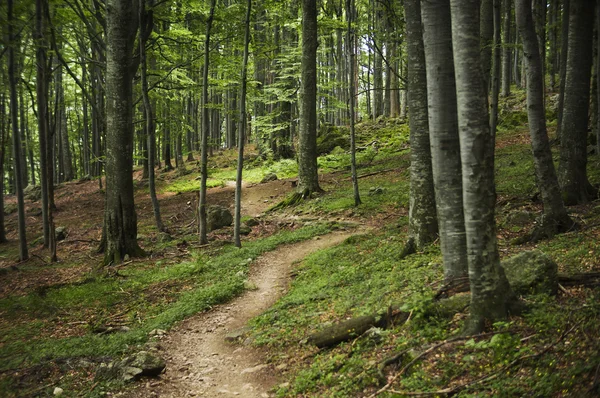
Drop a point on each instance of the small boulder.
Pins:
(532, 272)
(519, 218)
(269, 177)
(245, 229)
(218, 217)
(58, 391)
(164, 237)
(252, 222)
(376, 190)
(61, 233)
(150, 364)
(33, 192)
(10, 208)
(140, 364)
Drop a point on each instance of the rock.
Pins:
(33, 192)
(141, 364)
(58, 391)
(532, 272)
(218, 217)
(519, 218)
(329, 137)
(376, 190)
(238, 334)
(164, 237)
(269, 177)
(10, 208)
(157, 333)
(254, 369)
(252, 222)
(85, 178)
(61, 233)
(245, 229)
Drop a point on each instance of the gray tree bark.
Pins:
(489, 286)
(120, 219)
(486, 35)
(564, 49)
(205, 130)
(572, 167)
(350, 44)
(422, 218)
(16, 139)
(242, 133)
(555, 218)
(443, 128)
(308, 178)
(506, 49)
(495, 79)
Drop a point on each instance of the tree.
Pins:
(495, 79)
(120, 219)
(555, 218)
(16, 139)
(350, 44)
(564, 49)
(242, 132)
(506, 48)
(205, 129)
(146, 24)
(572, 167)
(443, 129)
(422, 214)
(308, 177)
(489, 286)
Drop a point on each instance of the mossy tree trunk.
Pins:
(506, 48)
(351, 41)
(572, 167)
(422, 218)
(443, 127)
(489, 286)
(120, 219)
(308, 177)
(555, 217)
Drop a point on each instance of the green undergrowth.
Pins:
(144, 296)
(365, 275)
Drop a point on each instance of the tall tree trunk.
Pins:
(120, 219)
(308, 178)
(555, 218)
(506, 49)
(552, 42)
(598, 79)
(205, 130)
(564, 49)
(495, 82)
(422, 218)
(486, 34)
(443, 128)
(572, 168)
(13, 40)
(3, 137)
(350, 44)
(242, 132)
(146, 24)
(490, 290)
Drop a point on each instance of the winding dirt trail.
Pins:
(200, 363)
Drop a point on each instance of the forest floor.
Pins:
(300, 270)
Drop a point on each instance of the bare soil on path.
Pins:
(201, 363)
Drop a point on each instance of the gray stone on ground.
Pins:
(164, 237)
(10, 208)
(218, 217)
(142, 363)
(252, 222)
(532, 272)
(32, 192)
(269, 177)
(245, 229)
(61, 233)
(519, 218)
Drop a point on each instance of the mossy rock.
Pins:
(447, 308)
(532, 272)
(331, 137)
(10, 208)
(218, 217)
(519, 218)
(33, 192)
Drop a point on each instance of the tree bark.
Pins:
(308, 177)
(564, 49)
(120, 219)
(490, 290)
(555, 218)
(350, 42)
(205, 130)
(443, 127)
(506, 49)
(13, 40)
(572, 167)
(423, 224)
(486, 34)
(495, 83)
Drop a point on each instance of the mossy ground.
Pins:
(50, 313)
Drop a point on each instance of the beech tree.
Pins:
(120, 219)
(443, 129)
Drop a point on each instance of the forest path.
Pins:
(201, 363)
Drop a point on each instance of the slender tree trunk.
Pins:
(552, 41)
(120, 219)
(3, 137)
(490, 290)
(350, 12)
(308, 178)
(242, 133)
(555, 218)
(423, 225)
(16, 139)
(572, 167)
(598, 79)
(495, 89)
(486, 34)
(506, 49)
(146, 24)
(205, 130)
(564, 48)
(443, 128)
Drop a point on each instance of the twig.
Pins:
(562, 289)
